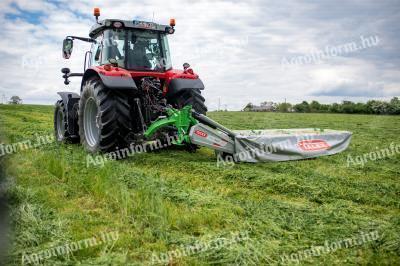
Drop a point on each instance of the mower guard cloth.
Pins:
(288, 144)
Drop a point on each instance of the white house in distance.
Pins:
(263, 107)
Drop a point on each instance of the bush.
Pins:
(346, 107)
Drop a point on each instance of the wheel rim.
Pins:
(90, 122)
(60, 125)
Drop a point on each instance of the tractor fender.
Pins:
(121, 81)
(67, 96)
(178, 85)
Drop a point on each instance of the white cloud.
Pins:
(235, 47)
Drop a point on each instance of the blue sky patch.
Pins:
(28, 16)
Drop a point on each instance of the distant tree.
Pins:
(315, 106)
(369, 107)
(377, 107)
(334, 108)
(15, 100)
(394, 107)
(360, 108)
(303, 107)
(324, 108)
(347, 107)
(380, 107)
(284, 107)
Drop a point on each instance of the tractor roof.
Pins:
(131, 24)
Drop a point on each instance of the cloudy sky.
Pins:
(244, 51)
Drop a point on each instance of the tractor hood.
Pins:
(109, 70)
(175, 80)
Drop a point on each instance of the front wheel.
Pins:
(60, 122)
(61, 131)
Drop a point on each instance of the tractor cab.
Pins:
(132, 45)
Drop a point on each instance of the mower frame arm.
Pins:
(195, 128)
(205, 120)
(181, 119)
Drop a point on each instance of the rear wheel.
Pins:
(104, 117)
(192, 97)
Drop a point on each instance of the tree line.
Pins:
(391, 107)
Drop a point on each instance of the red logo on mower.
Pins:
(200, 133)
(313, 145)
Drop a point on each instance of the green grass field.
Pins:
(165, 201)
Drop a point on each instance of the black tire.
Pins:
(61, 125)
(193, 97)
(113, 117)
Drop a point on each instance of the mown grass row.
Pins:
(164, 200)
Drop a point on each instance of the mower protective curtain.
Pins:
(288, 144)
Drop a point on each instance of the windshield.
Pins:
(147, 51)
(143, 50)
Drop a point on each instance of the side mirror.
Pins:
(65, 70)
(68, 44)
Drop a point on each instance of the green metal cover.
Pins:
(181, 119)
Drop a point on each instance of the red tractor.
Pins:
(128, 82)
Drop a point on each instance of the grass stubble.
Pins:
(164, 200)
